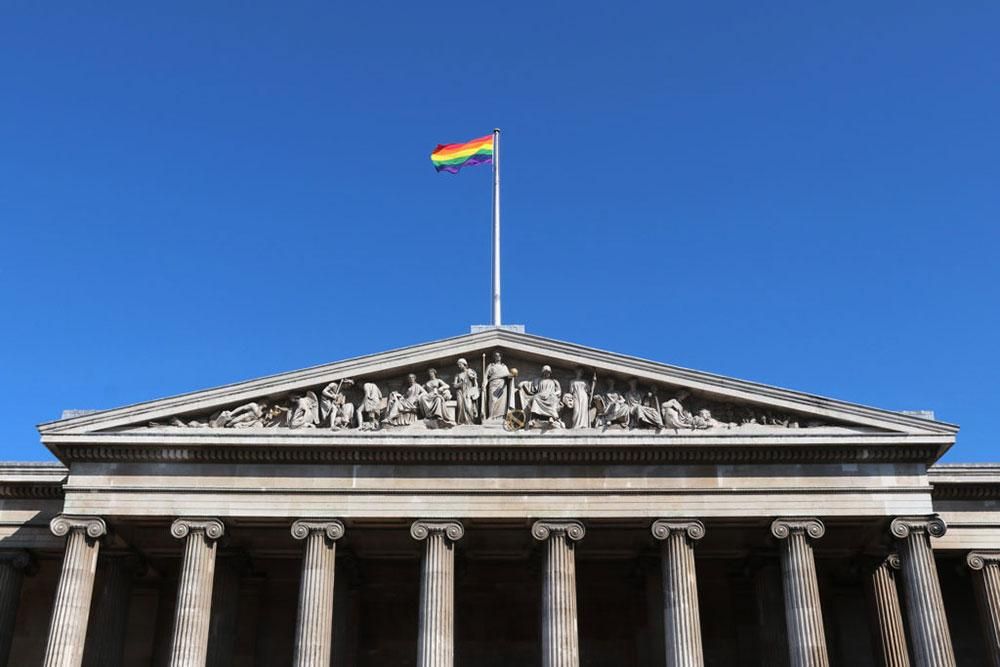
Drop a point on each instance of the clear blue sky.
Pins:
(801, 194)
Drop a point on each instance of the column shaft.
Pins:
(803, 612)
(71, 612)
(314, 631)
(560, 639)
(929, 634)
(681, 621)
(888, 614)
(106, 640)
(986, 575)
(436, 641)
(12, 566)
(192, 616)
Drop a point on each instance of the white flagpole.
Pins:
(496, 227)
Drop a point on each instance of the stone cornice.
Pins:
(662, 528)
(212, 528)
(902, 527)
(332, 528)
(783, 528)
(94, 526)
(543, 529)
(421, 530)
(977, 560)
(540, 449)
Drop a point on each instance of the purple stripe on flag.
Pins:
(472, 161)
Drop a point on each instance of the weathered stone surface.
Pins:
(887, 612)
(985, 566)
(560, 638)
(803, 612)
(314, 627)
(436, 639)
(681, 620)
(930, 637)
(71, 612)
(189, 646)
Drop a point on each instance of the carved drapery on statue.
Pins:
(591, 401)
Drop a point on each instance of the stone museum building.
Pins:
(498, 499)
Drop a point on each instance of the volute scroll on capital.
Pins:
(421, 530)
(978, 560)
(783, 528)
(332, 528)
(543, 529)
(662, 528)
(902, 527)
(213, 528)
(94, 526)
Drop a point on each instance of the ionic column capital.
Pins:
(933, 525)
(978, 560)
(94, 526)
(332, 528)
(421, 530)
(662, 528)
(572, 529)
(892, 560)
(19, 559)
(783, 528)
(212, 528)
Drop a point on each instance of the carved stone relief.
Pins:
(500, 397)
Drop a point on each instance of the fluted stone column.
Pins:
(560, 640)
(681, 621)
(803, 613)
(929, 635)
(106, 639)
(13, 563)
(888, 613)
(314, 630)
(68, 627)
(985, 567)
(193, 614)
(436, 643)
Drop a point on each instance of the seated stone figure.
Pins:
(612, 409)
(403, 408)
(433, 402)
(542, 398)
(641, 406)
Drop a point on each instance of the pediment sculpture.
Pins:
(497, 398)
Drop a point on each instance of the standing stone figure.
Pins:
(466, 386)
(495, 383)
(641, 406)
(334, 408)
(432, 401)
(579, 395)
(304, 412)
(402, 409)
(541, 398)
(612, 407)
(371, 406)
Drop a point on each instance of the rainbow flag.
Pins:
(452, 157)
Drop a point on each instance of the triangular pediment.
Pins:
(660, 399)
